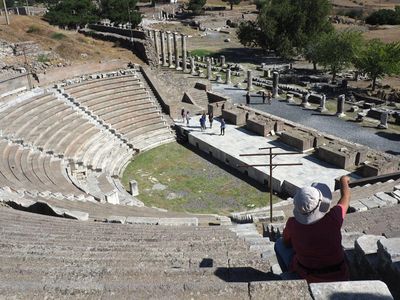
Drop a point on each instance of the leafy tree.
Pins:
(378, 59)
(72, 13)
(196, 6)
(338, 49)
(120, 11)
(288, 25)
(233, 2)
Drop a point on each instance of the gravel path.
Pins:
(325, 123)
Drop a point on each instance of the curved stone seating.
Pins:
(125, 106)
(25, 170)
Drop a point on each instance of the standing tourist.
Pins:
(248, 98)
(269, 97)
(211, 118)
(264, 96)
(187, 118)
(223, 126)
(183, 114)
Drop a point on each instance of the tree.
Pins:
(378, 59)
(196, 6)
(288, 25)
(72, 13)
(233, 2)
(338, 49)
(120, 11)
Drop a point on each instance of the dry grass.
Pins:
(68, 45)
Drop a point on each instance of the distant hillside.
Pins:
(69, 45)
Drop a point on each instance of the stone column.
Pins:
(249, 80)
(275, 83)
(222, 58)
(212, 61)
(156, 46)
(209, 69)
(192, 66)
(169, 48)
(184, 53)
(384, 120)
(228, 76)
(304, 101)
(176, 51)
(163, 54)
(322, 104)
(340, 106)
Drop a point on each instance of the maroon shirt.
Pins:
(318, 246)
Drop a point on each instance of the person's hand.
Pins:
(344, 180)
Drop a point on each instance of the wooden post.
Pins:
(6, 11)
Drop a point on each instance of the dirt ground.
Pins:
(69, 45)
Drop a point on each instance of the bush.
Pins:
(34, 29)
(58, 36)
(43, 58)
(201, 52)
(384, 17)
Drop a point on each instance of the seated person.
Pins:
(311, 246)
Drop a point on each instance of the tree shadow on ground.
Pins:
(243, 274)
(389, 135)
(248, 55)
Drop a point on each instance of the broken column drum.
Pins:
(228, 76)
(222, 58)
(305, 103)
(340, 106)
(322, 104)
(384, 120)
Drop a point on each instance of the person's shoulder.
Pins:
(337, 212)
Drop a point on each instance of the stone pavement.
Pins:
(325, 123)
(238, 141)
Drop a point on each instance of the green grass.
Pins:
(192, 184)
(58, 36)
(34, 29)
(43, 58)
(201, 52)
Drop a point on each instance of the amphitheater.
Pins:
(70, 229)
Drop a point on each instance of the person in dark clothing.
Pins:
(211, 118)
(223, 126)
(264, 97)
(248, 98)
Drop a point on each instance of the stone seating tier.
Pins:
(23, 169)
(196, 262)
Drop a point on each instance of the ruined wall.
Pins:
(137, 34)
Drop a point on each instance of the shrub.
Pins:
(58, 36)
(43, 58)
(34, 29)
(384, 17)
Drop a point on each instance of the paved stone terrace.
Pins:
(329, 124)
(237, 141)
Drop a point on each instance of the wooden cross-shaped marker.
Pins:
(271, 167)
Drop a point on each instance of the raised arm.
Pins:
(344, 192)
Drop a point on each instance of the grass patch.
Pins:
(175, 178)
(34, 29)
(43, 58)
(201, 52)
(58, 36)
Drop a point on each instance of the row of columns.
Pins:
(163, 47)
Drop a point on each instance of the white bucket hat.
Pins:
(311, 203)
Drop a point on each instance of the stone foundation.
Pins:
(302, 141)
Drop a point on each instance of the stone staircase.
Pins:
(72, 259)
